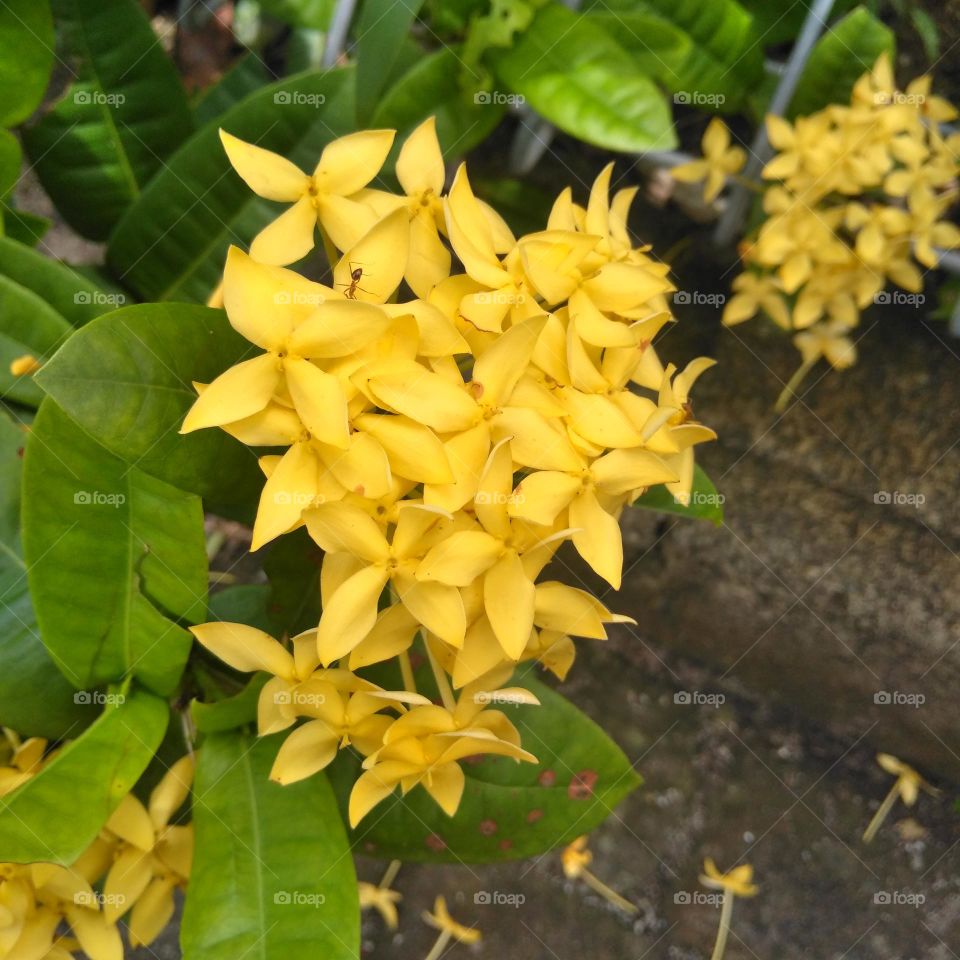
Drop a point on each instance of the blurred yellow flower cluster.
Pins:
(439, 434)
(858, 200)
(131, 869)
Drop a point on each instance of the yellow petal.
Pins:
(481, 653)
(415, 452)
(291, 488)
(244, 648)
(466, 453)
(446, 785)
(273, 704)
(99, 939)
(437, 606)
(152, 912)
(622, 471)
(429, 260)
(594, 327)
(597, 538)
(535, 441)
(288, 238)
(621, 286)
(425, 397)
(266, 174)
(370, 789)
(171, 792)
(496, 373)
(391, 635)
(460, 559)
(382, 256)
(237, 393)
(508, 598)
(339, 527)
(349, 163)
(420, 163)
(126, 880)
(599, 419)
(305, 751)
(362, 469)
(131, 822)
(319, 400)
(339, 328)
(350, 614)
(568, 610)
(541, 496)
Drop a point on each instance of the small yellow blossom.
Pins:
(720, 160)
(907, 788)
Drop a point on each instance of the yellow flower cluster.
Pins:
(860, 201)
(137, 861)
(439, 449)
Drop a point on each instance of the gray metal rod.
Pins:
(339, 28)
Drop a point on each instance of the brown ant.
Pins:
(356, 275)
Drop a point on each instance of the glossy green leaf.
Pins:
(571, 71)
(509, 810)
(10, 160)
(724, 60)
(292, 565)
(57, 814)
(246, 76)
(432, 88)
(842, 55)
(114, 556)
(705, 502)
(381, 25)
(242, 603)
(232, 712)
(310, 14)
(28, 326)
(35, 697)
(115, 125)
(272, 872)
(655, 44)
(172, 243)
(127, 377)
(22, 226)
(778, 23)
(26, 57)
(76, 297)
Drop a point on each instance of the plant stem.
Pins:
(390, 874)
(790, 389)
(606, 892)
(726, 912)
(439, 946)
(888, 801)
(406, 671)
(443, 684)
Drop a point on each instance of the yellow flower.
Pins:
(907, 787)
(153, 857)
(756, 292)
(827, 340)
(720, 160)
(24, 760)
(575, 859)
(346, 166)
(449, 929)
(738, 881)
(382, 899)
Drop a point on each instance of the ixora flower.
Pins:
(439, 435)
(720, 160)
(737, 883)
(906, 787)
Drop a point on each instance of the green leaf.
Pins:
(172, 243)
(57, 814)
(578, 77)
(26, 57)
(509, 810)
(231, 712)
(705, 502)
(524, 205)
(272, 872)
(724, 60)
(126, 379)
(292, 565)
(309, 14)
(27, 326)
(432, 88)
(35, 697)
(22, 226)
(77, 298)
(116, 124)
(246, 76)
(655, 44)
(778, 23)
(242, 603)
(382, 23)
(114, 557)
(10, 160)
(839, 59)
